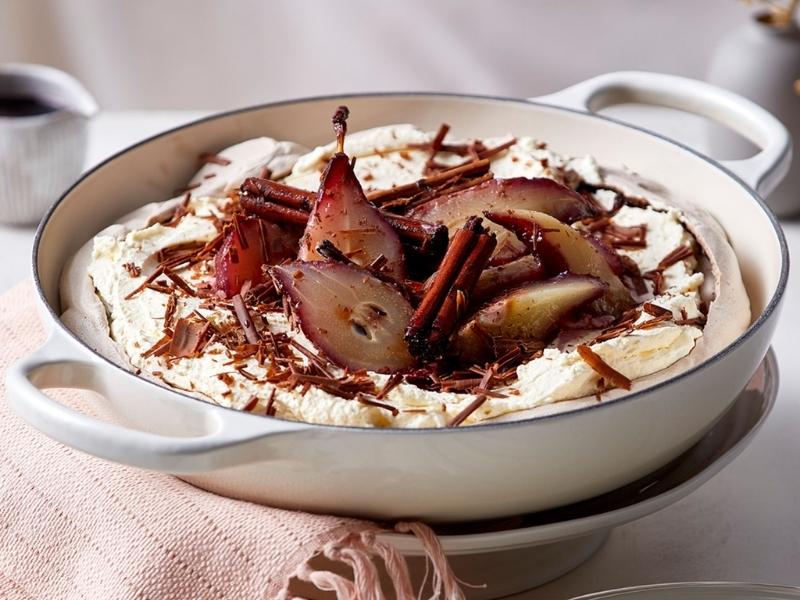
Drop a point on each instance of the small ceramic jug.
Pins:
(44, 116)
(761, 61)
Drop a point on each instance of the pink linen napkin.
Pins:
(75, 527)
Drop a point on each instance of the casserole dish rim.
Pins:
(771, 305)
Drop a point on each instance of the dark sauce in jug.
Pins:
(24, 106)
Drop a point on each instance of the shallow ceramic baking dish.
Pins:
(479, 472)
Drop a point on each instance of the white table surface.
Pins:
(744, 525)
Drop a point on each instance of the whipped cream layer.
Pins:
(395, 155)
(136, 323)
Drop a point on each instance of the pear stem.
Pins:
(340, 126)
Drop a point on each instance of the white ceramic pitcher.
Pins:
(40, 154)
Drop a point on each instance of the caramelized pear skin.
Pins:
(240, 258)
(354, 318)
(539, 194)
(343, 215)
(496, 280)
(529, 312)
(564, 249)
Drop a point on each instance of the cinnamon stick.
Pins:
(271, 211)
(477, 167)
(441, 307)
(280, 193)
(429, 237)
(286, 204)
(457, 299)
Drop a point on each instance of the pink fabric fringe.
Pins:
(359, 551)
(74, 527)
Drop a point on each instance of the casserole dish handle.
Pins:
(191, 437)
(761, 172)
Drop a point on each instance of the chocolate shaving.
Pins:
(187, 188)
(378, 264)
(169, 310)
(329, 250)
(245, 320)
(251, 404)
(347, 386)
(364, 400)
(657, 278)
(160, 347)
(188, 338)
(270, 408)
(394, 380)
(654, 322)
(655, 310)
(486, 380)
(623, 326)
(678, 254)
(160, 287)
(216, 159)
(696, 321)
(478, 167)
(246, 374)
(150, 279)
(489, 152)
(436, 145)
(618, 236)
(179, 282)
(314, 359)
(479, 400)
(132, 269)
(178, 254)
(460, 385)
(602, 368)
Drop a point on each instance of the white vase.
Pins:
(761, 61)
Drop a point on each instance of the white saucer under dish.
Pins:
(700, 591)
(519, 553)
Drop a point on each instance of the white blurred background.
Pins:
(209, 54)
(155, 63)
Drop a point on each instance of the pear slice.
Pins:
(540, 194)
(343, 215)
(530, 312)
(564, 249)
(497, 280)
(352, 317)
(244, 250)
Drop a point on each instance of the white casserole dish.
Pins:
(480, 472)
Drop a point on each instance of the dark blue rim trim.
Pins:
(763, 317)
